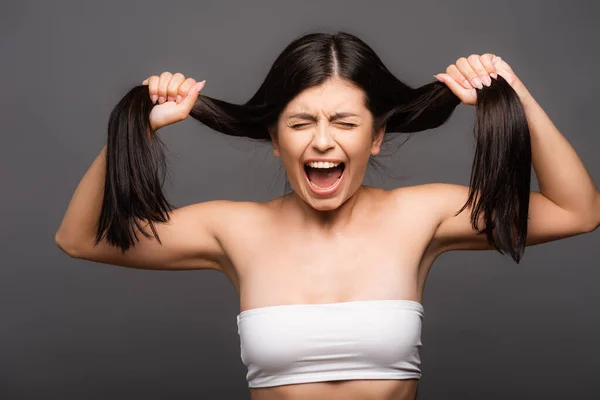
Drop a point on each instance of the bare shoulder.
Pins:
(454, 231)
(237, 219)
(191, 238)
(429, 204)
(239, 216)
(440, 200)
(429, 198)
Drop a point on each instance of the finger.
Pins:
(454, 85)
(501, 65)
(468, 72)
(163, 83)
(184, 89)
(454, 72)
(189, 101)
(153, 87)
(488, 64)
(480, 71)
(173, 86)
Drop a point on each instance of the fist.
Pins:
(475, 71)
(174, 95)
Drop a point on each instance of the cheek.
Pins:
(290, 154)
(357, 150)
(293, 147)
(289, 150)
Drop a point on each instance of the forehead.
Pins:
(331, 96)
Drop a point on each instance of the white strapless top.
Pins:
(301, 343)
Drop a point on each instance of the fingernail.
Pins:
(494, 75)
(439, 78)
(154, 98)
(486, 80)
(161, 100)
(178, 98)
(477, 83)
(201, 85)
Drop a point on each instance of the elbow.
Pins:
(592, 227)
(591, 219)
(594, 220)
(65, 246)
(589, 223)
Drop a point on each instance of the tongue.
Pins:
(324, 177)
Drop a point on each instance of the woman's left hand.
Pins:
(473, 72)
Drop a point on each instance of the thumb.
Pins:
(192, 95)
(465, 95)
(450, 82)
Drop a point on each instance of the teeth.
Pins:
(322, 164)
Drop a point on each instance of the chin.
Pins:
(326, 204)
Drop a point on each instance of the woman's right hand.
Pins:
(175, 96)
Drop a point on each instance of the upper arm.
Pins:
(547, 221)
(190, 240)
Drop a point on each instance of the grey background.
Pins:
(73, 329)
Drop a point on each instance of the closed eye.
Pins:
(339, 123)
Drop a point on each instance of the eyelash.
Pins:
(340, 123)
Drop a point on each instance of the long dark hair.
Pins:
(500, 175)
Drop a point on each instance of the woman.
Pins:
(331, 275)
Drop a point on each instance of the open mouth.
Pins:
(324, 177)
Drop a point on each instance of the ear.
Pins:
(377, 140)
(273, 134)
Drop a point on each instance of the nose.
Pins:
(323, 138)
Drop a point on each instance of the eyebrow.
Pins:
(314, 119)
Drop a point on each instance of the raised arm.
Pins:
(189, 239)
(568, 202)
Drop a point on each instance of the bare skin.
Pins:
(384, 252)
(360, 243)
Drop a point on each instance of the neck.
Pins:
(328, 221)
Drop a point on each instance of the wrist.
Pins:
(524, 95)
